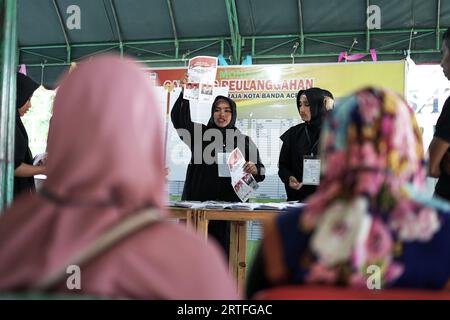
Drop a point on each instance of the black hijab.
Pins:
(232, 124)
(315, 98)
(25, 89)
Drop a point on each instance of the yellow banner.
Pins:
(270, 91)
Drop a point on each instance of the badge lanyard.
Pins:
(309, 141)
(311, 165)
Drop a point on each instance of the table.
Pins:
(238, 235)
(190, 215)
(199, 219)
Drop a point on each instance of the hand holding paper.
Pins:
(40, 159)
(183, 81)
(250, 167)
(244, 184)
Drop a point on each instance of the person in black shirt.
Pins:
(300, 141)
(439, 158)
(220, 135)
(24, 170)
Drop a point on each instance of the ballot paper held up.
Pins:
(244, 184)
(201, 72)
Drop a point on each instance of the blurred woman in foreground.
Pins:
(365, 217)
(106, 180)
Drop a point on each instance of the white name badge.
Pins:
(311, 171)
(222, 166)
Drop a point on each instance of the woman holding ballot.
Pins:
(299, 165)
(208, 176)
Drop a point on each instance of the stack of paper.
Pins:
(185, 204)
(215, 205)
(271, 206)
(242, 206)
(291, 205)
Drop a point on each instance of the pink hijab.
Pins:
(105, 162)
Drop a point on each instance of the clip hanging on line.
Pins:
(410, 39)
(294, 47)
(184, 57)
(42, 71)
(355, 41)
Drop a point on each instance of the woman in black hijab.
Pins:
(24, 170)
(203, 181)
(301, 141)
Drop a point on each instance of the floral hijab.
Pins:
(372, 154)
